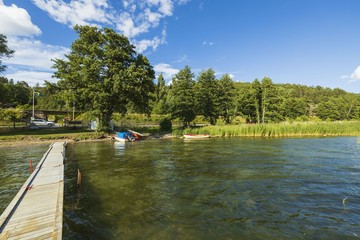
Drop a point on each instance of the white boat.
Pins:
(196, 136)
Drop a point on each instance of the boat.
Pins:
(128, 136)
(196, 136)
(124, 137)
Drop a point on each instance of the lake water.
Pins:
(215, 188)
(15, 169)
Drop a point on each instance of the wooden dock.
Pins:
(36, 212)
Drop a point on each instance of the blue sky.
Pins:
(309, 42)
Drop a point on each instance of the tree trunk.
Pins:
(263, 115)
(104, 122)
(258, 113)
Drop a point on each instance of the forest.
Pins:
(219, 101)
(104, 75)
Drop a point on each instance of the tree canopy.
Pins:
(182, 96)
(103, 73)
(5, 51)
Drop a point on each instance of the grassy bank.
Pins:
(279, 130)
(48, 134)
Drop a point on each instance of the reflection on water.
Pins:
(214, 189)
(15, 169)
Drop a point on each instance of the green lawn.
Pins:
(22, 134)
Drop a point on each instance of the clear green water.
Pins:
(15, 169)
(204, 189)
(215, 189)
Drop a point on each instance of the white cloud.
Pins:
(144, 44)
(33, 53)
(356, 74)
(32, 60)
(136, 17)
(354, 77)
(31, 77)
(16, 21)
(206, 43)
(166, 69)
(83, 12)
(183, 58)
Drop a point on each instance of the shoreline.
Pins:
(27, 142)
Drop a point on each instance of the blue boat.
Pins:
(124, 137)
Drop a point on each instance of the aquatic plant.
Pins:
(343, 128)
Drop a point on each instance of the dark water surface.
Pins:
(235, 188)
(306, 188)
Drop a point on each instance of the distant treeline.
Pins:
(220, 101)
(260, 101)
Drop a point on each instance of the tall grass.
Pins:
(280, 130)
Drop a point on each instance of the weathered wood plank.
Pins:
(36, 212)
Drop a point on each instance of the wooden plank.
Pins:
(36, 212)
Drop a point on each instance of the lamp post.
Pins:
(33, 105)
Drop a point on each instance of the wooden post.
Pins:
(78, 179)
(31, 166)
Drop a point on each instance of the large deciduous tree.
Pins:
(103, 73)
(5, 51)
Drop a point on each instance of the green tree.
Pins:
(181, 96)
(245, 102)
(103, 73)
(5, 51)
(294, 107)
(19, 94)
(270, 102)
(4, 92)
(257, 92)
(226, 96)
(161, 91)
(329, 110)
(13, 114)
(207, 96)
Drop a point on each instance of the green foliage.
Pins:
(329, 110)
(104, 74)
(165, 124)
(5, 51)
(294, 107)
(182, 96)
(207, 96)
(226, 98)
(161, 92)
(12, 114)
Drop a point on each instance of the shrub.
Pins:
(165, 124)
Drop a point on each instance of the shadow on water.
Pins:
(214, 189)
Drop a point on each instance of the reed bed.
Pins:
(349, 128)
